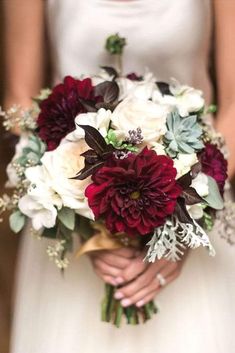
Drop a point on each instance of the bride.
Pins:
(54, 313)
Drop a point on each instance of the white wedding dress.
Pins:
(61, 314)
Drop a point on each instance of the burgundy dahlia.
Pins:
(214, 164)
(58, 111)
(136, 194)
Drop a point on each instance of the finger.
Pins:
(147, 298)
(106, 278)
(146, 282)
(113, 260)
(141, 294)
(126, 252)
(138, 266)
(104, 268)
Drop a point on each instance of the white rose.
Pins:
(99, 120)
(62, 164)
(143, 89)
(184, 162)
(188, 99)
(41, 201)
(200, 184)
(195, 211)
(13, 178)
(133, 113)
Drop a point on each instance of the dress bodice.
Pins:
(170, 38)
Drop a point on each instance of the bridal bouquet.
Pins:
(118, 160)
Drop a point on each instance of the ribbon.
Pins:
(104, 240)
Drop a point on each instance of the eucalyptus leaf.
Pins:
(17, 221)
(67, 217)
(214, 198)
(50, 233)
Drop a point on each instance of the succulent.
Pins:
(184, 135)
(32, 153)
(115, 44)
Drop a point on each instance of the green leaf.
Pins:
(17, 221)
(67, 217)
(50, 233)
(214, 199)
(84, 228)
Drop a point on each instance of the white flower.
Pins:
(184, 162)
(143, 89)
(188, 99)
(99, 120)
(101, 77)
(13, 178)
(195, 211)
(158, 148)
(41, 201)
(200, 184)
(148, 116)
(62, 164)
(41, 215)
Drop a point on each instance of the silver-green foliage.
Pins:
(183, 135)
(32, 153)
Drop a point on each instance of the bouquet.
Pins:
(118, 160)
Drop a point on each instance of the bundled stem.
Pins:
(113, 312)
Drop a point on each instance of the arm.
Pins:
(225, 70)
(24, 32)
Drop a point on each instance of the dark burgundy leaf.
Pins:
(196, 169)
(164, 88)
(90, 156)
(110, 71)
(109, 90)
(182, 212)
(94, 139)
(185, 181)
(88, 105)
(88, 170)
(107, 106)
(191, 196)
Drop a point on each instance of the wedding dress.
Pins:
(57, 313)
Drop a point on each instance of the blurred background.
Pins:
(8, 241)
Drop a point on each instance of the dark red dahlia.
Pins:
(214, 164)
(58, 111)
(136, 194)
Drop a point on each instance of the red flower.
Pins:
(58, 111)
(214, 164)
(135, 194)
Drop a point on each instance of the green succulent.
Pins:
(115, 44)
(32, 153)
(183, 135)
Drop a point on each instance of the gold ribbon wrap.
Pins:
(104, 240)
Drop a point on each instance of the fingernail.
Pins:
(114, 282)
(140, 303)
(119, 280)
(118, 295)
(126, 302)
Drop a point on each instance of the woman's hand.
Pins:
(109, 265)
(145, 280)
(141, 281)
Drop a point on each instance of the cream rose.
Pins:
(62, 164)
(148, 116)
